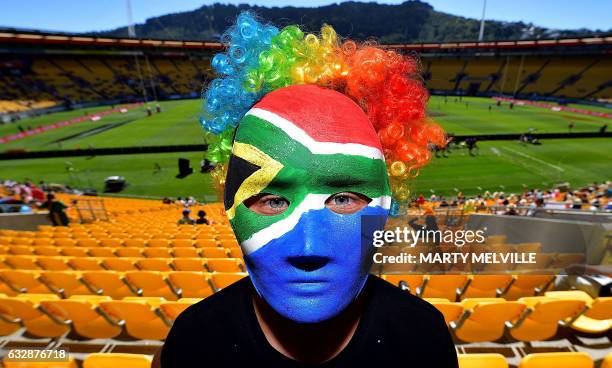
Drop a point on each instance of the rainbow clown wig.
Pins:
(260, 59)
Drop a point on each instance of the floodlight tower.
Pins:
(482, 21)
(132, 34)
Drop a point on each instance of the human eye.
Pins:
(347, 202)
(267, 204)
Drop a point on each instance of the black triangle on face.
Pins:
(238, 170)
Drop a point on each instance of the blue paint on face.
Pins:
(313, 272)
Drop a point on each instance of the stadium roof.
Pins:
(37, 38)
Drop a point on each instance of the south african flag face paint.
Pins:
(315, 153)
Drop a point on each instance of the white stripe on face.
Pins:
(280, 228)
(315, 147)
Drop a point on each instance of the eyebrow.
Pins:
(342, 181)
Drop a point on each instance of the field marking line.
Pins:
(534, 159)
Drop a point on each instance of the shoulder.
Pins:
(221, 304)
(398, 304)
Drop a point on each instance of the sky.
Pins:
(94, 15)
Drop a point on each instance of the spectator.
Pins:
(186, 220)
(201, 220)
(57, 212)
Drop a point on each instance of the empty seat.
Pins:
(21, 250)
(156, 252)
(24, 281)
(22, 262)
(607, 361)
(109, 283)
(22, 309)
(225, 279)
(484, 319)
(541, 319)
(129, 252)
(22, 241)
(486, 286)
(101, 252)
(70, 363)
(482, 361)
(75, 252)
(64, 283)
(86, 243)
(443, 286)
(139, 319)
(207, 242)
(528, 285)
(171, 310)
(177, 243)
(186, 252)
(158, 243)
(224, 265)
(191, 284)
(53, 263)
(47, 251)
(119, 264)
(557, 360)
(85, 264)
(189, 264)
(214, 252)
(597, 318)
(151, 283)
(235, 253)
(66, 242)
(137, 243)
(154, 264)
(112, 243)
(80, 313)
(115, 360)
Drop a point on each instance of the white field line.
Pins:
(534, 159)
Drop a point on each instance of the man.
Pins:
(186, 220)
(306, 186)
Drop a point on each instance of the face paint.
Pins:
(306, 143)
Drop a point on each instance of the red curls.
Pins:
(388, 87)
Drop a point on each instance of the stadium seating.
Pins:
(482, 361)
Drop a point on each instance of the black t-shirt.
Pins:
(395, 328)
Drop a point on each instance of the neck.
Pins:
(312, 343)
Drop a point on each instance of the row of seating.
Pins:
(148, 317)
(204, 249)
(50, 263)
(204, 241)
(536, 360)
(170, 285)
(455, 287)
(527, 319)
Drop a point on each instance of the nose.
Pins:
(308, 263)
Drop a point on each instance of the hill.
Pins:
(411, 21)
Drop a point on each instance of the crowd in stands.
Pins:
(593, 197)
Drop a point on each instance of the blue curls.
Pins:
(232, 94)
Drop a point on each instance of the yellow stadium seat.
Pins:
(156, 252)
(137, 243)
(191, 284)
(229, 243)
(224, 265)
(207, 242)
(214, 252)
(176, 243)
(5, 240)
(64, 283)
(119, 264)
(21, 250)
(23, 309)
(23, 281)
(112, 243)
(85, 264)
(224, 279)
(87, 243)
(189, 264)
(101, 252)
(129, 252)
(151, 283)
(22, 241)
(74, 251)
(109, 283)
(158, 243)
(186, 252)
(408, 282)
(66, 242)
(80, 313)
(155, 264)
(482, 361)
(235, 253)
(116, 360)
(139, 319)
(557, 360)
(43, 250)
(597, 318)
(541, 319)
(22, 262)
(443, 286)
(171, 310)
(451, 311)
(70, 363)
(51, 263)
(486, 286)
(484, 319)
(527, 285)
